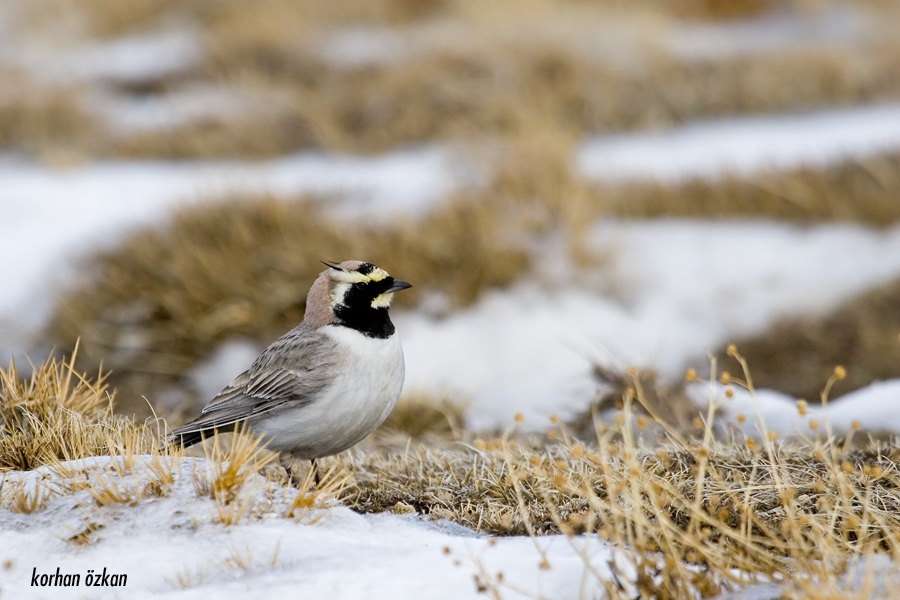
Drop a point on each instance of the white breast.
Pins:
(366, 386)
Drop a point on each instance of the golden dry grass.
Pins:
(256, 136)
(50, 123)
(111, 18)
(860, 190)
(423, 418)
(58, 414)
(664, 401)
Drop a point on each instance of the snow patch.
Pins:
(128, 59)
(872, 408)
(743, 145)
(171, 546)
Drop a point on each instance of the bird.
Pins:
(326, 384)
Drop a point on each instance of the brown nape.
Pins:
(318, 302)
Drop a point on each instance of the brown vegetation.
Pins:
(861, 190)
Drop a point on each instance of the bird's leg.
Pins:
(286, 460)
(315, 470)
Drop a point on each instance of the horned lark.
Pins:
(324, 385)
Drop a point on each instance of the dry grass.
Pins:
(665, 402)
(20, 497)
(110, 18)
(256, 136)
(56, 415)
(232, 464)
(863, 190)
(49, 123)
(423, 418)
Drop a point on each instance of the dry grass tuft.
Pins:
(232, 460)
(230, 464)
(421, 417)
(49, 123)
(58, 414)
(664, 402)
(861, 190)
(312, 497)
(83, 535)
(21, 497)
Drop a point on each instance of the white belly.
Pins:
(365, 390)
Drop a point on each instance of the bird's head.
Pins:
(351, 291)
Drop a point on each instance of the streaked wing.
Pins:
(291, 372)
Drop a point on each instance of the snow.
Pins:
(126, 59)
(774, 32)
(362, 46)
(162, 543)
(230, 360)
(872, 409)
(742, 145)
(406, 179)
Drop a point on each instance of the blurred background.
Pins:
(574, 188)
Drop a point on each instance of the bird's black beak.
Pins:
(399, 285)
